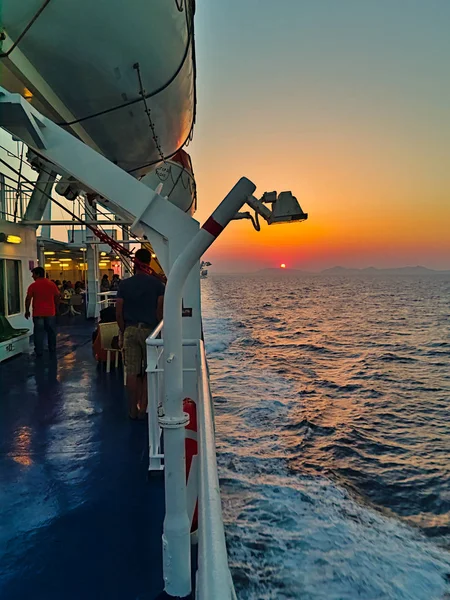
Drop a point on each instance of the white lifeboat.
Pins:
(119, 74)
(176, 182)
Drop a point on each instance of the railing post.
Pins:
(92, 271)
(3, 210)
(153, 393)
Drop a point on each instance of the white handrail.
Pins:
(156, 331)
(213, 577)
(105, 299)
(155, 387)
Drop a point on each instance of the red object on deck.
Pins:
(191, 447)
(183, 158)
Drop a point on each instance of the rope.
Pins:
(19, 39)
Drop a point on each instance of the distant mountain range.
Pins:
(367, 271)
(418, 270)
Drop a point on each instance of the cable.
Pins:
(19, 183)
(166, 157)
(148, 111)
(27, 162)
(176, 181)
(149, 94)
(19, 39)
(190, 44)
(191, 30)
(102, 236)
(45, 194)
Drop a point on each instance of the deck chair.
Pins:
(107, 332)
(75, 301)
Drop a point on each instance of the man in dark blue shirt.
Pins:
(139, 308)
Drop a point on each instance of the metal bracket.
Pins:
(27, 125)
(174, 422)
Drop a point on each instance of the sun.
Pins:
(282, 266)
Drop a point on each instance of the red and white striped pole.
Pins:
(176, 536)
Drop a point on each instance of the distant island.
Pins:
(418, 270)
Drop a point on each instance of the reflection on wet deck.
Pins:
(78, 517)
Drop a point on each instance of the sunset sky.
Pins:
(344, 102)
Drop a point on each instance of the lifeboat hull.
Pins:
(174, 179)
(119, 75)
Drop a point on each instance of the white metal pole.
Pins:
(176, 536)
(40, 253)
(92, 272)
(41, 192)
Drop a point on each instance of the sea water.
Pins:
(332, 404)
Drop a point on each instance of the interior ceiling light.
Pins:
(10, 239)
(49, 253)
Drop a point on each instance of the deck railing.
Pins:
(13, 203)
(155, 399)
(105, 299)
(213, 576)
(155, 384)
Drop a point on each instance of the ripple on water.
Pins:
(332, 434)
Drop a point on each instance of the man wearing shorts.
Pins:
(139, 308)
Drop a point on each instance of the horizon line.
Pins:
(338, 267)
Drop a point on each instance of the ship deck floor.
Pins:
(79, 519)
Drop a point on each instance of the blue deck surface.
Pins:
(78, 517)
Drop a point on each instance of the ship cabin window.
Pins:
(10, 296)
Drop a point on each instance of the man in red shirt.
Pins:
(45, 297)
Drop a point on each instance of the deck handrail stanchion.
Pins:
(176, 535)
(153, 392)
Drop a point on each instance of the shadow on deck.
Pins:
(79, 519)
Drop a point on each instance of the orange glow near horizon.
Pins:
(282, 266)
(359, 134)
(354, 222)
